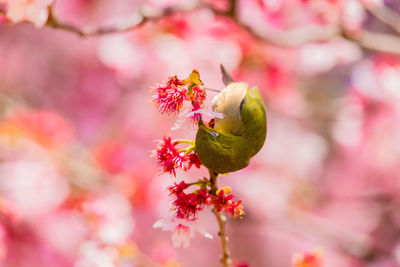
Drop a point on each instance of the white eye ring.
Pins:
(215, 134)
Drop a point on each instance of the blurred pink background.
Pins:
(78, 186)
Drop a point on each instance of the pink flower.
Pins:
(353, 15)
(185, 205)
(168, 156)
(198, 95)
(194, 160)
(35, 11)
(181, 236)
(178, 188)
(224, 202)
(182, 231)
(234, 208)
(196, 113)
(170, 96)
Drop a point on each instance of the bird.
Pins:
(239, 135)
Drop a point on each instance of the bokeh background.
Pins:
(77, 184)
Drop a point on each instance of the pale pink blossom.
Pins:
(35, 11)
(321, 57)
(34, 187)
(188, 117)
(94, 254)
(182, 230)
(116, 222)
(353, 15)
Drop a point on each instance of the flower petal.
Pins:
(206, 112)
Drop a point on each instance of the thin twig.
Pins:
(225, 258)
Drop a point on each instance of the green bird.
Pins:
(239, 135)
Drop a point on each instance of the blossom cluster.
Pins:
(223, 201)
(328, 79)
(168, 156)
(186, 205)
(173, 155)
(171, 95)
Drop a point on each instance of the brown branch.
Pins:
(225, 258)
(293, 37)
(232, 11)
(379, 42)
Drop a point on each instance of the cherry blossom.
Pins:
(170, 96)
(224, 202)
(186, 206)
(194, 160)
(168, 155)
(77, 185)
(189, 199)
(182, 230)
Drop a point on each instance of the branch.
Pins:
(137, 20)
(386, 15)
(225, 258)
(289, 38)
(283, 38)
(294, 37)
(232, 11)
(379, 42)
